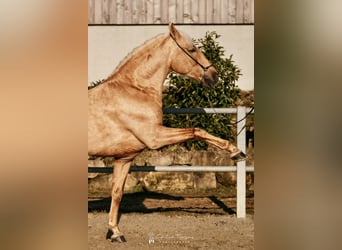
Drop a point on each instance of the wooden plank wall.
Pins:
(163, 11)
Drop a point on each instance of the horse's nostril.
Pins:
(215, 77)
(210, 80)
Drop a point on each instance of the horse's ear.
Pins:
(172, 29)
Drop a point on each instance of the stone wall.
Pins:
(100, 184)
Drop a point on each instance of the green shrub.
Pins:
(186, 93)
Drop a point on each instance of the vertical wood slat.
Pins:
(112, 11)
(134, 11)
(202, 17)
(187, 12)
(232, 11)
(128, 12)
(252, 11)
(217, 11)
(149, 11)
(105, 11)
(156, 8)
(239, 11)
(209, 11)
(194, 11)
(172, 11)
(246, 11)
(120, 11)
(98, 12)
(163, 11)
(142, 12)
(224, 12)
(91, 11)
(180, 11)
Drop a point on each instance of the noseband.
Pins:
(189, 55)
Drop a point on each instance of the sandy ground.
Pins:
(171, 222)
(162, 231)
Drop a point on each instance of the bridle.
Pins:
(189, 55)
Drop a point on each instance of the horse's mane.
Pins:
(94, 84)
(132, 53)
(129, 55)
(123, 61)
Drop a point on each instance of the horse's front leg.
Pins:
(121, 169)
(235, 153)
(162, 136)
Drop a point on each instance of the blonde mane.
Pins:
(186, 37)
(132, 53)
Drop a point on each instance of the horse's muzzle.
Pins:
(210, 79)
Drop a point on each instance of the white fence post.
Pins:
(241, 165)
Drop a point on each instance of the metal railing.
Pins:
(241, 167)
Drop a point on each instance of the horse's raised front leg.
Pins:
(162, 136)
(235, 153)
(121, 169)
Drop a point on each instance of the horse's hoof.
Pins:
(120, 239)
(241, 156)
(109, 234)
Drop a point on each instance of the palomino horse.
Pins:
(125, 111)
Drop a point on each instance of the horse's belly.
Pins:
(112, 141)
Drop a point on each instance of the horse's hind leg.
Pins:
(121, 169)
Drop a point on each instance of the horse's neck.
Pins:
(146, 68)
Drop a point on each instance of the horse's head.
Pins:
(188, 60)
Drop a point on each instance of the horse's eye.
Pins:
(192, 50)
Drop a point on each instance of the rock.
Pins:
(183, 158)
(150, 181)
(227, 179)
(131, 183)
(159, 159)
(205, 180)
(250, 181)
(167, 181)
(100, 185)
